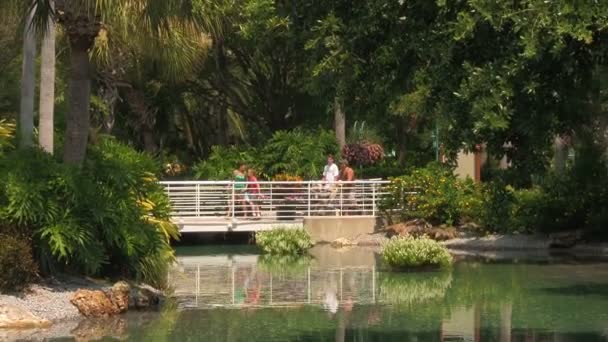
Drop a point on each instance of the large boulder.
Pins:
(14, 317)
(94, 303)
(119, 295)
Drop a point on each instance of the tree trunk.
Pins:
(28, 85)
(78, 116)
(47, 88)
(339, 122)
(560, 155)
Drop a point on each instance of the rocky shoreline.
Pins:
(465, 241)
(55, 303)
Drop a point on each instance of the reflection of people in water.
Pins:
(254, 294)
(330, 303)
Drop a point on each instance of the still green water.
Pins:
(231, 294)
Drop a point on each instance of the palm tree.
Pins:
(82, 21)
(47, 87)
(28, 83)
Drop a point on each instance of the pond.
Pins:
(229, 293)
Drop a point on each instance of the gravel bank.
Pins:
(50, 300)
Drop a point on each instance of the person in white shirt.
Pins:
(330, 171)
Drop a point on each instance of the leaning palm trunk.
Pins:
(47, 88)
(28, 85)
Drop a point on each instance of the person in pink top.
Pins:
(253, 193)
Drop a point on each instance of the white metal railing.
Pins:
(275, 200)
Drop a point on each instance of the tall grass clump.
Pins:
(410, 252)
(283, 241)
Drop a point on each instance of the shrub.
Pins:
(410, 252)
(17, 266)
(361, 154)
(283, 241)
(434, 194)
(109, 217)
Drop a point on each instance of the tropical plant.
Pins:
(7, 132)
(110, 217)
(223, 161)
(410, 252)
(82, 21)
(283, 241)
(298, 152)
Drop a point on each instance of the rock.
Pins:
(470, 226)
(342, 242)
(370, 240)
(419, 228)
(406, 228)
(14, 317)
(119, 295)
(94, 303)
(144, 297)
(565, 239)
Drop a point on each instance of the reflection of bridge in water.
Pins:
(241, 281)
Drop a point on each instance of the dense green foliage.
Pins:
(283, 241)
(433, 193)
(409, 252)
(17, 266)
(110, 217)
(297, 153)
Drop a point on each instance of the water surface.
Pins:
(232, 294)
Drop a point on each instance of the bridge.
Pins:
(223, 206)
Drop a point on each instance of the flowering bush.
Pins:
(406, 252)
(363, 153)
(283, 241)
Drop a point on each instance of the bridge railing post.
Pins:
(374, 200)
(233, 201)
(309, 198)
(198, 200)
